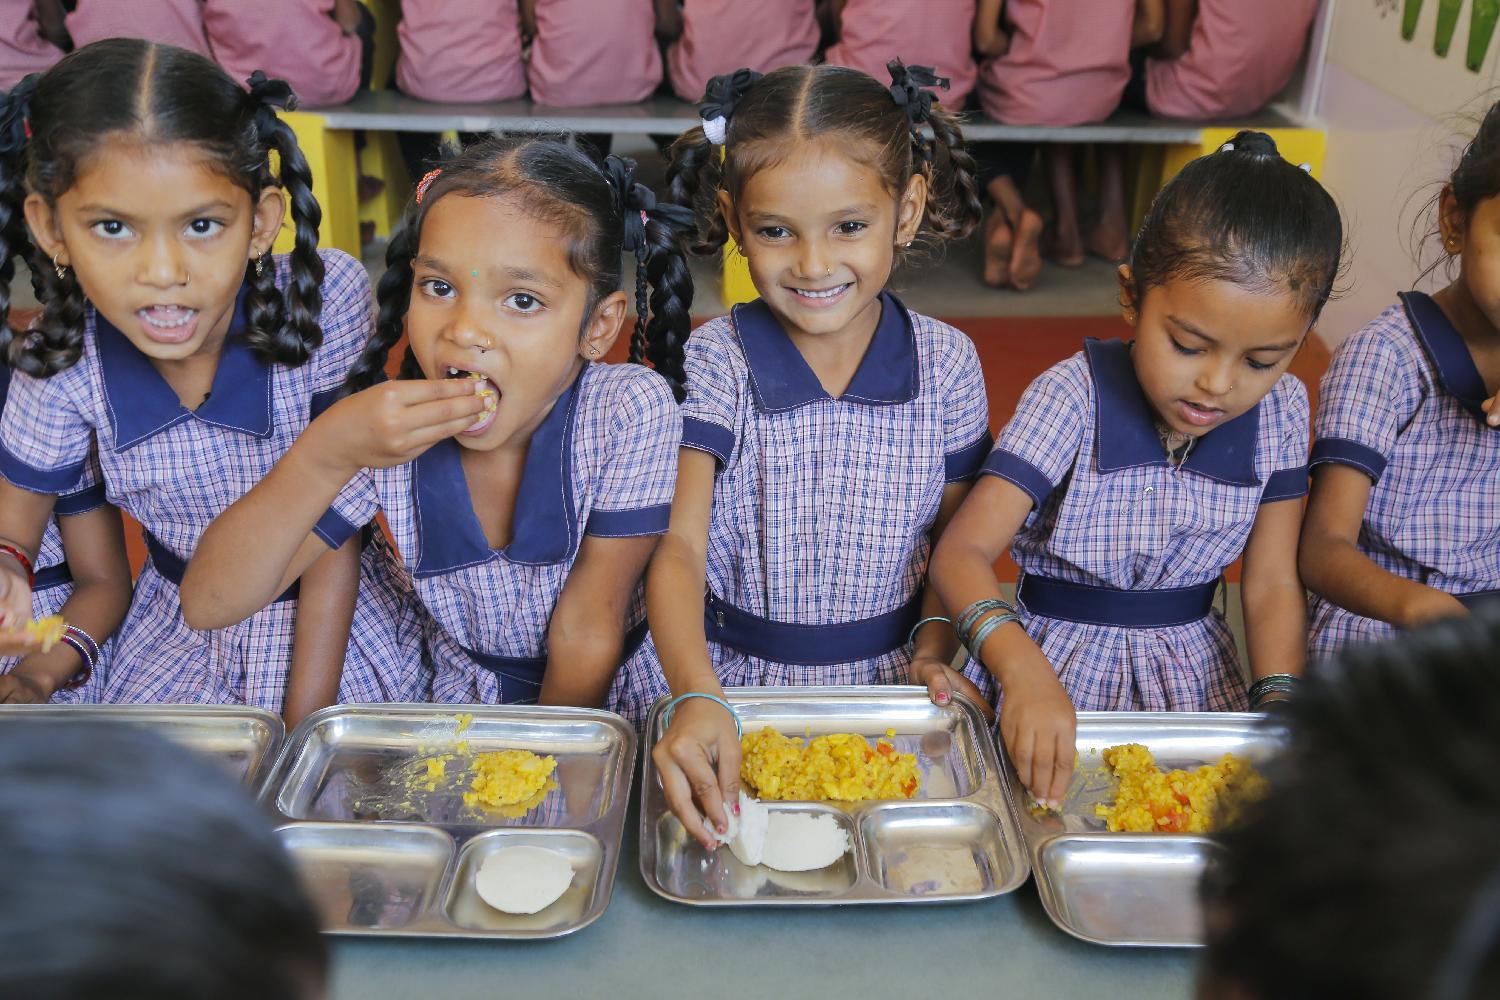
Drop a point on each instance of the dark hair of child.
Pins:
(52, 123)
(137, 871)
(1370, 870)
(798, 103)
(604, 213)
(1475, 178)
(1246, 216)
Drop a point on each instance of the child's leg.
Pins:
(1012, 231)
(1064, 245)
(1110, 237)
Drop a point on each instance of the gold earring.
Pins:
(260, 265)
(61, 269)
(593, 351)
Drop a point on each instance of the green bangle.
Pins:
(911, 636)
(666, 713)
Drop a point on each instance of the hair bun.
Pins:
(1254, 143)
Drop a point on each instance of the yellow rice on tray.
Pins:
(839, 767)
(1154, 801)
(511, 782)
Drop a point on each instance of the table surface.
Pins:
(646, 947)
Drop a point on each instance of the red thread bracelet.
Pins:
(21, 558)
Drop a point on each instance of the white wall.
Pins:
(1394, 112)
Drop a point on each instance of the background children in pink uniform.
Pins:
(314, 45)
(167, 22)
(934, 33)
(1219, 58)
(583, 52)
(720, 36)
(1058, 64)
(26, 44)
(460, 51)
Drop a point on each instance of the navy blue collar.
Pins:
(544, 528)
(1126, 425)
(782, 380)
(1450, 355)
(142, 404)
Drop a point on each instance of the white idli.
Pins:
(523, 879)
(803, 842)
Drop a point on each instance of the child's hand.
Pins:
(15, 601)
(1039, 726)
(699, 763)
(18, 642)
(1430, 605)
(1491, 407)
(942, 681)
(392, 423)
(20, 689)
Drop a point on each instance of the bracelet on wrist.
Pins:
(22, 558)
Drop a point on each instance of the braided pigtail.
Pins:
(14, 110)
(56, 341)
(655, 234)
(953, 205)
(696, 170)
(393, 294)
(286, 335)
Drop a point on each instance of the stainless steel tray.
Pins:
(384, 849)
(1132, 889)
(957, 840)
(243, 739)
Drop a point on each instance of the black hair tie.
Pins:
(719, 100)
(15, 114)
(637, 202)
(909, 90)
(268, 96)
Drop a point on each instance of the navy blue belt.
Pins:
(521, 676)
(1090, 605)
(51, 576)
(809, 645)
(170, 565)
(1470, 601)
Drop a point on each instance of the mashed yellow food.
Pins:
(840, 767)
(1151, 800)
(510, 782)
(47, 631)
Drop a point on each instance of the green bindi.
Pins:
(473, 274)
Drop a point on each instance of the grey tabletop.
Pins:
(644, 946)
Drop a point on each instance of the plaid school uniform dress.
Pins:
(1111, 512)
(1400, 402)
(174, 470)
(54, 584)
(823, 508)
(602, 463)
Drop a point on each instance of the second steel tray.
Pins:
(957, 840)
(372, 802)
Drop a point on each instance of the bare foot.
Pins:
(1063, 248)
(1109, 240)
(1026, 255)
(997, 246)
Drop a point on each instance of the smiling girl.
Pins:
(1133, 473)
(176, 346)
(829, 432)
(525, 483)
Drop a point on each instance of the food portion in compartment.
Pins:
(524, 879)
(929, 871)
(785, 841)
(510, 782)
(838, 767)
(1150, 800)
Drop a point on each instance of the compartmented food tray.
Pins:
(957, 839)
(372, 799)
(1132, 889)
(244, 740)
